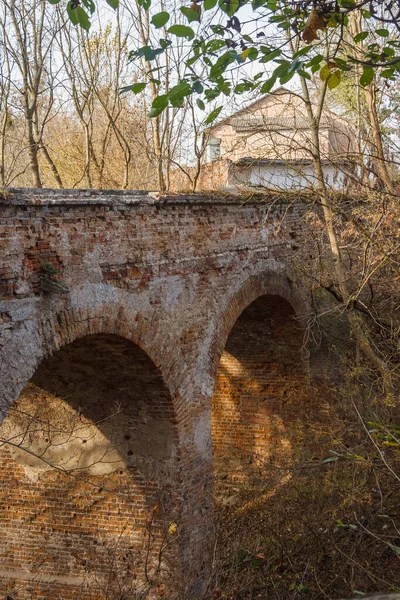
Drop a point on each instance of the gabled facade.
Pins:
(268, 144)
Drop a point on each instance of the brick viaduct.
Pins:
(106, 389)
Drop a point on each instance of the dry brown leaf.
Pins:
(314, 22)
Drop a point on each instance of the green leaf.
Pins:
(250, 53)
(190, 14)
(217, 29)
(165, 43)
(303, 51)
(213, 115)
(382, 32)
(222, 63)
(146, 52)
(197, 87)
(177, 93)
(215, 45)
(78, 16)
(154, 112)
(325, 72)
(330, 459)
(304, 74)
(72, 14)
(209, 4)
(160, 19)
(285, 77)
(182, 31)
(243, 87)
(334, 79)
(316, 60)
(282, 68)
(136, 88)
(113, 3)
(192, 60)
(360, 37)
(229, 6)
(268, 85)
(200, 104)
(159, 104)
(270, 55)
(388, 51)
(90, 5)
(388, 74)
(54, 1)
(145, 4)
(367, 76)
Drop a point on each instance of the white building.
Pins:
(268, 145)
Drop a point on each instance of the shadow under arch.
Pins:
(272, 282)
(261, 364)
(90, 465)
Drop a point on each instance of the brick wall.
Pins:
(261, 362)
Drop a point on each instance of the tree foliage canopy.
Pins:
(281, 37)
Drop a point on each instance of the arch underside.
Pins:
(261, 367)
(88, 474)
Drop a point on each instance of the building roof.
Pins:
(241, 121)
(261, 123)
(278, 92)
(290, 162)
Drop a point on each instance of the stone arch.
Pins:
(260, 362)
(270, 281)
(87, 310)
(36, 329)
(99, 416)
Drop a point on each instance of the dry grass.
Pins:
(314, 529)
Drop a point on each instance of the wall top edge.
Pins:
(115, 198)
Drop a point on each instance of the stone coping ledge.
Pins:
(121, 198)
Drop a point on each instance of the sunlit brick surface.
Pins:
(261, 361)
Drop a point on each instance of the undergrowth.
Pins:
(324, 521)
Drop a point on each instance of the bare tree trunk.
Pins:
(29, 43)
(156, 122)
(381, 165)
(52, 166)
(88, 157)
(5, 92)
(370, 97)
(33, 149)
(355, 320)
